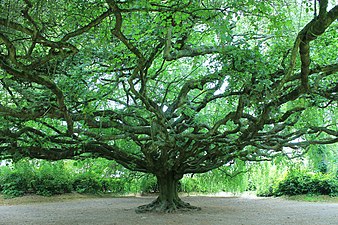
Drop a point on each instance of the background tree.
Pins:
(167, 88)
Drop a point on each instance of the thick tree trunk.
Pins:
(168, 199)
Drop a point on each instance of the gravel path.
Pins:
(215, 211)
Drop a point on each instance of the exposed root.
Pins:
(161, 206)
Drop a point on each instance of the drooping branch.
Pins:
(118, 33)
(310, 32)
(45, 81)
(87, 27)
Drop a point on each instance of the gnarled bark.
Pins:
(168, 200)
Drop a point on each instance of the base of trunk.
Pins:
(166, 206)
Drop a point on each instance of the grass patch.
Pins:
(312, 198)
(31, 199)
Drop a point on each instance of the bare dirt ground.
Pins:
(121, 211)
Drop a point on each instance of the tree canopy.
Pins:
(167, 87)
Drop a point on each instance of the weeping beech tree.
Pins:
(166, 87)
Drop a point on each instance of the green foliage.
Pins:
(51, 179)
(86, 183)
(323, 158)
(148, 184)
(14, 184)
(16, 181)
(302, 182)
(113, 185)
(200, 185)
(104, 176)
(232, 178)
(298, 180)
(99, 176)
(261, 176)
(190, 185)
(48, 185)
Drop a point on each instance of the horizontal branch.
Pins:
(192, 52)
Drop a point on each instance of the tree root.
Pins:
(165, 206)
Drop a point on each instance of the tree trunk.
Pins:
(168, 199)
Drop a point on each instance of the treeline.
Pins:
(50, 178)
(96, 176)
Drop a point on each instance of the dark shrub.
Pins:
(149, 184)
(86, 183)
(114, 185)
(15, 184)
(51, 184)
(299, 182)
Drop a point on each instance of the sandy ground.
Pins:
(215, 211)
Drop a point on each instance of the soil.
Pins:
(77, 209)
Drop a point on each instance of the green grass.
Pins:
(313, 198)
(28, 199)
